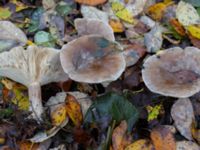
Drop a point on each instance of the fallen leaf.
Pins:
(194, 41)
(183, 115)
(10, 31)
(157, 10)
(163, 139)
(195, 3)
(194, 31)
(187, 14)
(142, 144)
(48, 4)
(178, 27)
(4, 13)
(91, 2)
(186, 145)
(118, 136)
(153, 112)
(116, 25)
(195, 132)
(19, 5)
(58, 114)
(122, 13)
(94, 13)
(153, 40)
(44, 39)
(25, 145)
(74, 110)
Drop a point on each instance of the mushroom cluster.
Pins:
(173, 72)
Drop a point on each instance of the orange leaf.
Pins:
(74, 110)
(24, 145)
(163, 139)
(116, 26)
(177, 26)
(142, 144)
(91, 2)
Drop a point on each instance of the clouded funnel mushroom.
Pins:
(92, 59)
(174, 72)
(32, 67)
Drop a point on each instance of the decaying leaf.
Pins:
(186, 145)
(183, 115)
(163, 139)
(58, 114)
(142, 144)
(187, 14)
(178, 27)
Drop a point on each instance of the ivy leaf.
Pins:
(112, 105)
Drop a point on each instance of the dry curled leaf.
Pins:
(163, 139)
(183, 115)
(142, 144)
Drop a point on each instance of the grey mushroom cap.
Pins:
(174, 72)
(86, 26)
(92, 59)
(35, 64)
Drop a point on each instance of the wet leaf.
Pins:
(142, 144)
(115, 106)
(4, 13)
(187, 14)
(163, 139)
(183, 115)
(74, 110)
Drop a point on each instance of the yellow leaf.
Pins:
(116, 26)
(157, 10)
(153, 112)
(122, 13)
(168, 1)
(4, 13)
(142, 144)
(19, 5)
(59, 115)
(74, 110)
(194, 31)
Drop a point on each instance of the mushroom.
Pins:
(92, 59)
(174, 72)
(94, 26)
(32, 67)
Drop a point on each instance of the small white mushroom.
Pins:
(174, 72)
(92, 59)
(32, 67)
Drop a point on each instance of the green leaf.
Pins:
(198, 10)
(35, 20)
(44, 39)
(115, 106)
(63, 9)
(6, 113)
(195, 3)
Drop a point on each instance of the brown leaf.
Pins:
(118, 135)
(142, 144)
(178, 27)
(25, 145)
(163, 139)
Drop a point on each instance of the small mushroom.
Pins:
(94, 26)
(32, 67)
(174, 72)
(92, 59)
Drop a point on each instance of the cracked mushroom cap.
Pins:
(174, 72)
(92, 59)
(86, 26)
(35, 64)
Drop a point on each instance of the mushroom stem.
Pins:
(34, 91)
